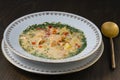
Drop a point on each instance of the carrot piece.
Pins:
(38, 28)
(50, 26)
(78, 46)
(33, 43)
(54, 31)
(65, 33)
(40, 46)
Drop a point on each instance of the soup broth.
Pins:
(52, 40)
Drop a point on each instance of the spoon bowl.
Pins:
(110, 29)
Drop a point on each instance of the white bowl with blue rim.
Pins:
(91, 31)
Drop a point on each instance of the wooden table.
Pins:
(96, 11)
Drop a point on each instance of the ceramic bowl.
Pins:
(92, 33)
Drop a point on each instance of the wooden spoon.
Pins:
(110, 30)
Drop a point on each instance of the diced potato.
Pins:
(67, 46)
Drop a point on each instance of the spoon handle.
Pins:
(112, 54)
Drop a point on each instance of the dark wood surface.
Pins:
(94, 10)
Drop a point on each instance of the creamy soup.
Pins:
(52, 40)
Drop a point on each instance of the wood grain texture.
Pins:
(94, 10)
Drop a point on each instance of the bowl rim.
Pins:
(49, 60)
